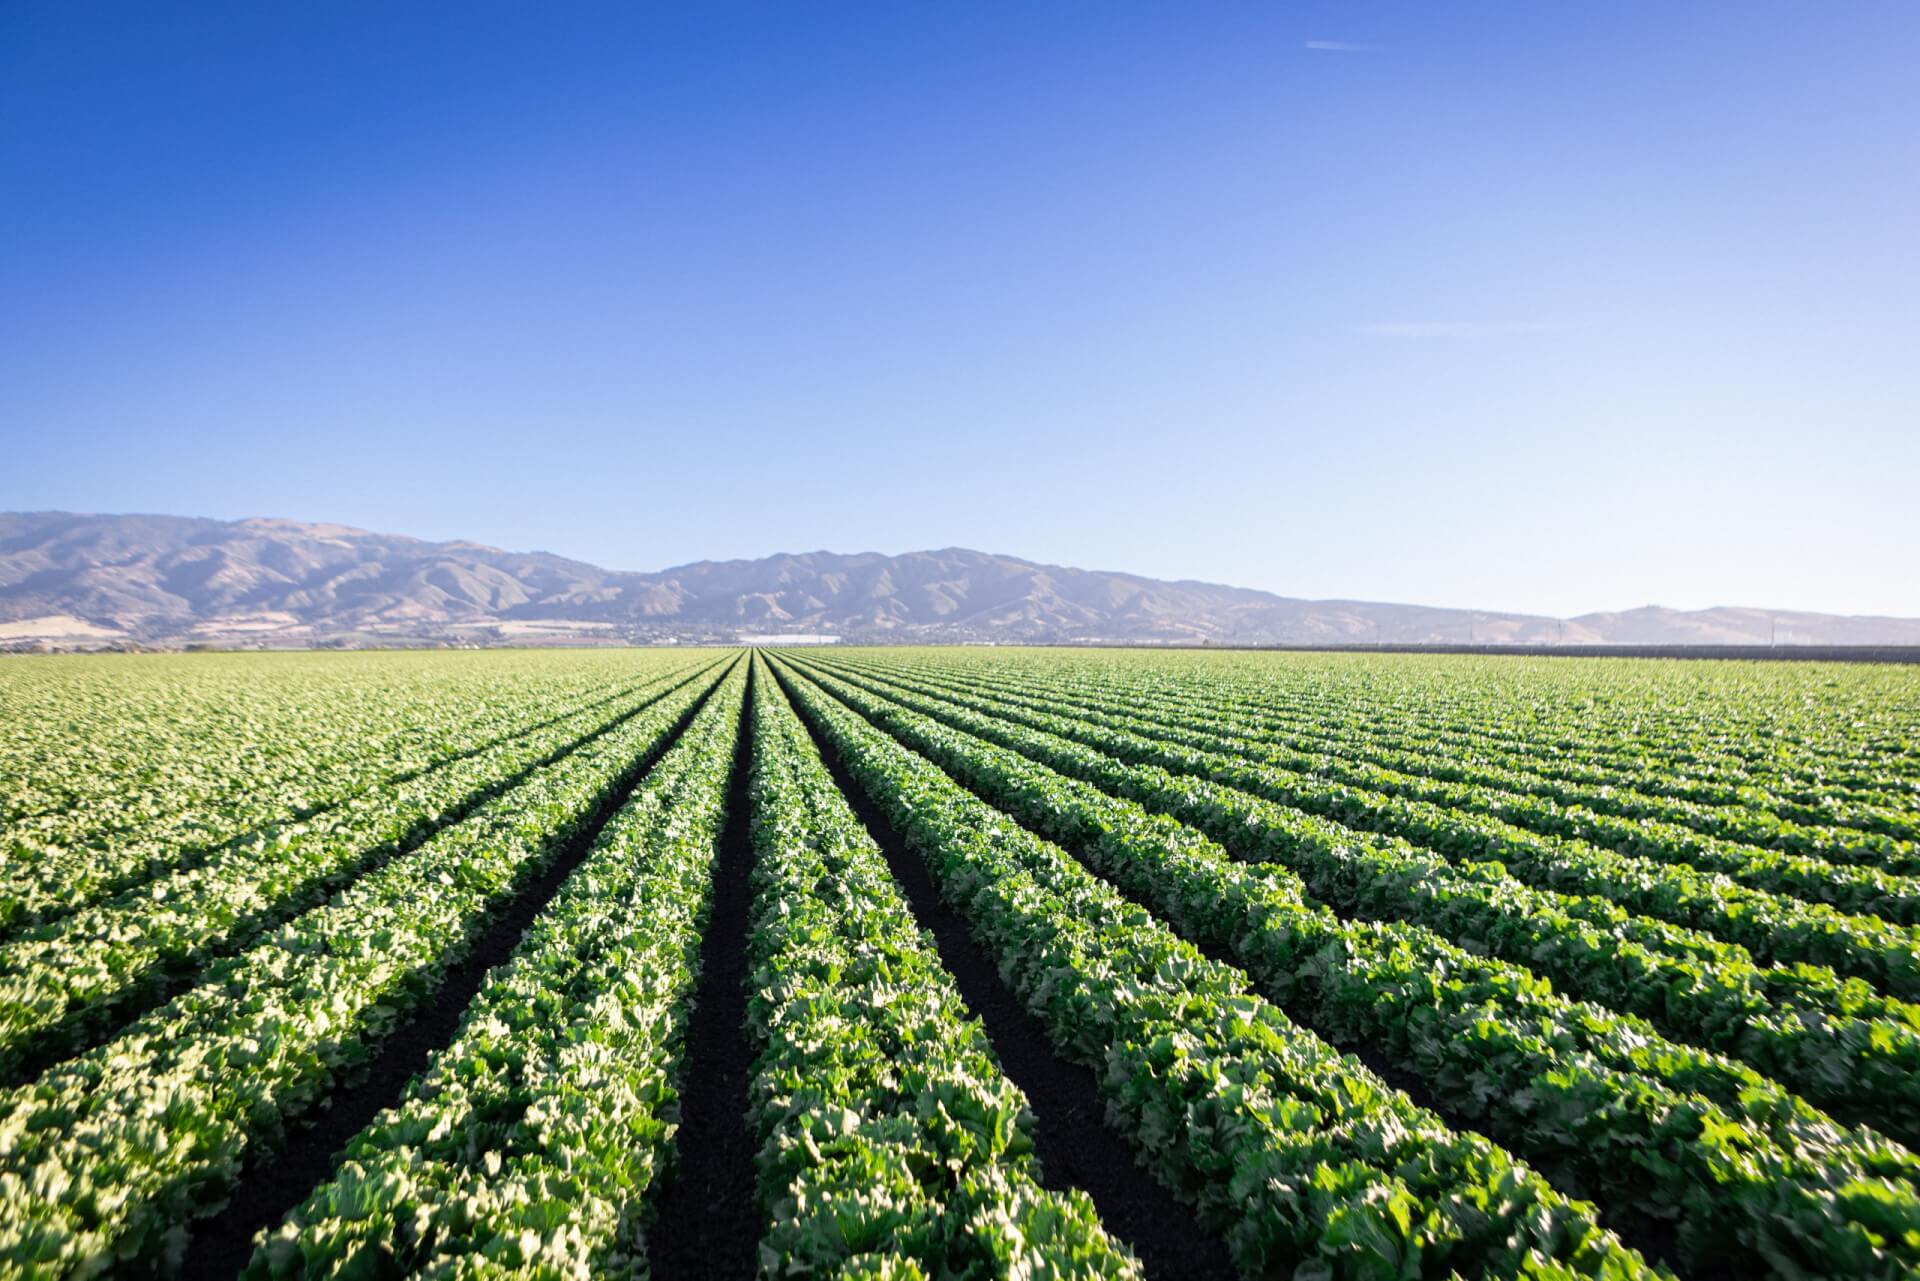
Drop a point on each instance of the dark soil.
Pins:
(1075, 1147)
(93, 1025)
(706, 1222)
(188, 857)
(276, 1182)
(1654, 1238)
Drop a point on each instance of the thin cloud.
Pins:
(1341, 46)
(1450, 329)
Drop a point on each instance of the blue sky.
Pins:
(1526, 306)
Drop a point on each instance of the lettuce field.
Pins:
(958, 963)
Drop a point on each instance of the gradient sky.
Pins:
(1552, 307)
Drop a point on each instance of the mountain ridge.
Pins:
(151, 579)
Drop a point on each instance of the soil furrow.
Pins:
(706, 1223)
(1075, 1147)
(54, 1045)
(275, 1182)
(1654, 1239)
(193, 856)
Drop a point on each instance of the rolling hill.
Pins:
(74, 579)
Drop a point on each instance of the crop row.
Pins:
(62, 982)
(1758, 1176)
(1877, 890)
(1839, 1044)
(110, 1154)
(1567, 746)
(1775, 928)
(50, 879)
(531, 1144)
(1355, 750)
(1611, 720)
(1304, 1160)
(197, 749)
(528, 1145)
(888, 1134)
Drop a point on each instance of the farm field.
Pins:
(955, 963)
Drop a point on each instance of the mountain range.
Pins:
(73, 580)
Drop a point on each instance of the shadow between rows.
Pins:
(1652, 1238)
(1075, 1147)
(706, 1222)
(90, 1026)
(273, 1183)
(195, 855)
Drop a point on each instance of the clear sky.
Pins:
(1535, 306)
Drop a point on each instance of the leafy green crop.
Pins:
(528, 1144)
(1640, 939)
(888, 1131)
(110, 1154)
(1774, 927)
(1837, 1041)
(1482, 1034)
(1301, 1156)
(62, 981)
